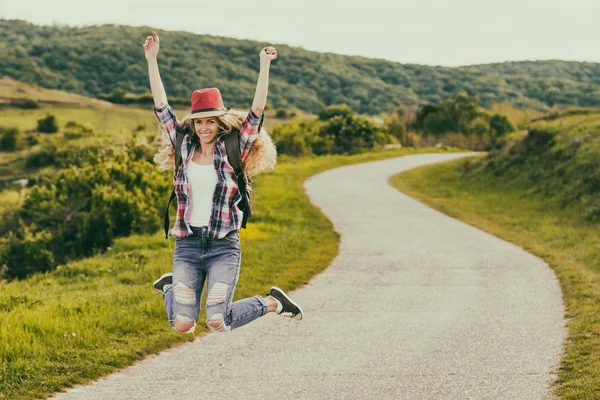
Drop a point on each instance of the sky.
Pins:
(430, 32)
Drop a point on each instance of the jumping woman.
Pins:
(207, 245)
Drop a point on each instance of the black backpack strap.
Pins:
(166, 222)
(234, 155)
(178, 162)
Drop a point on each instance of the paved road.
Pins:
(416, 306)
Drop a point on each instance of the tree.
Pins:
(500, 125)
(456, 115)
(47, 125)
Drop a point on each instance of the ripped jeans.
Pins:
(198, 258)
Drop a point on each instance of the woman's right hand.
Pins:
(151, 46)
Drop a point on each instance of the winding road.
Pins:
(417, 305)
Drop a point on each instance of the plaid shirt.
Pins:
(225, 215)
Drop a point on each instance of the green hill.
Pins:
(558, 159)
(99, 59)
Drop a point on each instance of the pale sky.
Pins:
(432, 32)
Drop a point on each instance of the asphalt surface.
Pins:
(416, 305)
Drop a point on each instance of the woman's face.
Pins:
(207, 129)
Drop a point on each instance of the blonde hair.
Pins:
(261, 158)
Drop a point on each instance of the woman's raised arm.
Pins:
(151, 46)
(267, 55)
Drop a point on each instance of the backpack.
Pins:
(232, 146)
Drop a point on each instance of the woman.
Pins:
(208, 218)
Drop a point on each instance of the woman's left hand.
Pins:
(269, 53)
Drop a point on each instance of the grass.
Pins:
(540, 225)
(90, 317)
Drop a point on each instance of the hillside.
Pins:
(557, 160)
(99, 59)
(12, 91)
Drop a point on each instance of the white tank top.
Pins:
(202, 179)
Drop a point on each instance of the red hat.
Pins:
(206, 103)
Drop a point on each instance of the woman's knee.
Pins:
(184, 324)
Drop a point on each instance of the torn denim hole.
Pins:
(184, 294)
(217, 324)
(185, 319)
(217, 294)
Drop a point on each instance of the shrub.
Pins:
(281, 113)
(27, 104)
(47, 125)
(500, 125)
(23, 255)
(79, 211)
(296, 138)
(31, 139)
(9, 139)
(395, 127)
(351, 134)
(336, 110)
(74, 130)
(46, 155)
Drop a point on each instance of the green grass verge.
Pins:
(90, 317)
(559, 236)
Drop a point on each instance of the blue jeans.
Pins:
(197, 258)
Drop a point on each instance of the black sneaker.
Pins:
(165, 279)
(289, 308)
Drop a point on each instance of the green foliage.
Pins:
(105, 192)
(77, 60)
(350, 134)
(9, 138)
(27, 253)
(297, 138)
(455, 115)
(81, 210)
(329, 112)
(342, 132)
(395, 127)
(74, 130)
(281, 113)
(47, 124)
(500, 125)
(26, 104)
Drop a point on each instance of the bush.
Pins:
(500, 125)
(31, 139)
(296, 138)
(395, 127)
(336, 110)
(23, 255)
(351, 134)
(27, 104)
(47, 125)
(74, 130)
(82, 210)
(9, 139)
(281, 113)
